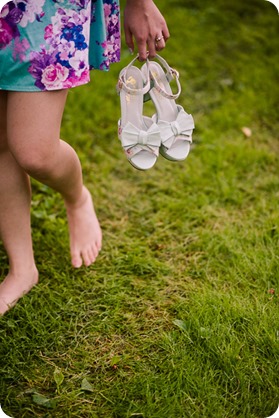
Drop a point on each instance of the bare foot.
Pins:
(85, 231)
(14, 287)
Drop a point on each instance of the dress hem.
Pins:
(34, 90)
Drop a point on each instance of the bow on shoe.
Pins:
(179, 129)
(131, 136)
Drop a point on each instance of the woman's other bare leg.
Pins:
(15, 230)
(34, 121)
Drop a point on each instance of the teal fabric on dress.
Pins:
(53, 44)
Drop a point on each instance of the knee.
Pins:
(37, 164)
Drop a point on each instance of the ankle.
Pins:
(79, 201)
(21, 270)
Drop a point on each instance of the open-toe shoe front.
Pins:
(139, 135)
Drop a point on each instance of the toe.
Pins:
(93, 254)
(76, 260)
(96, 249)
(88, 257)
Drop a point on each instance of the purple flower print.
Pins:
(16, 14)
(59, 53)
(62, 64)
(52, 75)
(80, 3)
(40, 61)
(31, 10)
(112, 44)
(10, 16)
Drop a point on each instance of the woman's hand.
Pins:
(144, 23)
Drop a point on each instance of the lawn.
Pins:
(179, 315)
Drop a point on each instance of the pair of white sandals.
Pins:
(169, 131)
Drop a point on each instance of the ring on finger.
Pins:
(158, 38)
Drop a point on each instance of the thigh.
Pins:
(3, 120)
(34, 120)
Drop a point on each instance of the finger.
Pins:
(165, 33)
(151, 47)
(159, 42)
(129, 39)
(142, 50)
(159, 45)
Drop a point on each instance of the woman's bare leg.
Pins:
(34, 121)
(15, 230)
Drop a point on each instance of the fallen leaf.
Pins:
(43, 401)
(85, 385)
(247, 131)
(180, 324)
(58, 377)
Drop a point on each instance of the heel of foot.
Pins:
(15, 287)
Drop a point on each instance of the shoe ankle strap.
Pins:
(171, 74)
(121, 85)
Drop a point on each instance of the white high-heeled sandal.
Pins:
(139, 135)
(176, 126)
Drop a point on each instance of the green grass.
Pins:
(177, 318)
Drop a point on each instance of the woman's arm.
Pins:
(144, 23)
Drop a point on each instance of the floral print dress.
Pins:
(53, 44)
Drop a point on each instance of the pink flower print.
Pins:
(6, 33)
(48, 31)
(107, 9)
(53, 76)
(20, 47)
(84, 76)
(76, 81)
